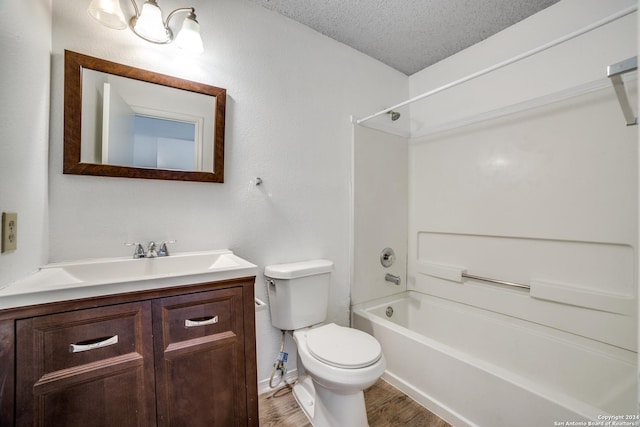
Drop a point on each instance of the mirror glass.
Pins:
(127, 122)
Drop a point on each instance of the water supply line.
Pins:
(278, 366)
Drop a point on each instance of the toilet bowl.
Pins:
(338, 363)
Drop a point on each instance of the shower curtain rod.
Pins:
(510, 61)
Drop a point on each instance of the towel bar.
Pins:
(501, 282)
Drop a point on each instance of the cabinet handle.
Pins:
(190, 323)
(77, 348)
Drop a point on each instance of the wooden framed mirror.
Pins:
(123, 121)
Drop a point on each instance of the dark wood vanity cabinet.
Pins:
(91, 367)
(200, 364)
(182, 356)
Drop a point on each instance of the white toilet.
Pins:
(335, 363)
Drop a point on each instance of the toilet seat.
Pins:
(343, 347)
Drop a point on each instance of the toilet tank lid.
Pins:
(298, 269)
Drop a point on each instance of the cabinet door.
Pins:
(199, 348)
(91, 367)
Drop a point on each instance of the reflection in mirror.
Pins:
(164, 143)
(145, 125)
(136, 123)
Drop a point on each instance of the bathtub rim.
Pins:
(602, 348)
(580, 407)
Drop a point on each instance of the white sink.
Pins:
(110, 270)
(92, 277)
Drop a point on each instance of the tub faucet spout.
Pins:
(392, 278)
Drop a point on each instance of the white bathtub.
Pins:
(478, 368)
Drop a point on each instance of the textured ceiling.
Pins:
(408, 35)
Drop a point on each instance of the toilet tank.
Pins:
(298, 293)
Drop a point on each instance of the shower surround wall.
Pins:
(380, 209)
(547, 197)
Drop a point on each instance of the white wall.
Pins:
(24, 130)
(549, 194)
(290, 91)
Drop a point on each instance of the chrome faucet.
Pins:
(164, 251)
(392, 278)
(151, 250)
(138, 252)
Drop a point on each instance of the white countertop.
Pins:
(106, 276)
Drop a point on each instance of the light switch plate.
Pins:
(9, 231)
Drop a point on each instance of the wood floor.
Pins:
(386, 407)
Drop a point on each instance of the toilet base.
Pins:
(326, 408)
(305, 395)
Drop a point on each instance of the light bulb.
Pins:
(149, 24)
(108, 13)
(189, 36)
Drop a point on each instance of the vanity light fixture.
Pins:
(148, 24)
